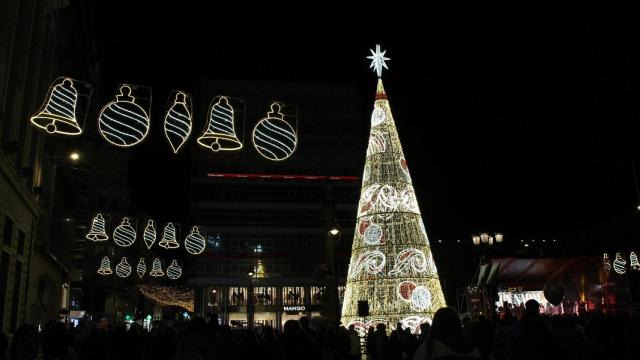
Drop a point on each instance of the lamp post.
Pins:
(250, 273)
(484, 240)
(334, 236)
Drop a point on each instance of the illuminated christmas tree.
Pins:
(391, 262)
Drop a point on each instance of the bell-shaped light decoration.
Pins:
(606, 263)
(105, 266)
(633, 258)
(177, 122)
(168, 240)
(149, 235)
(273, 137)
(156, 268)
(123, 122)
(141, 269)
(58, 114)
(619, 264)
(123, 269)
(174, 271)
(97, 232)
(195, 243)
(124, 235)
(220, 134)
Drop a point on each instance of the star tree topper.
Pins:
(378, 60)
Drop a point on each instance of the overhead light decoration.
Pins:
(195, 243)
(177, 121)
(169, 240)
(141, 269)
(97, 231)
(401, 280)
(156, 268)
(123, 122)
(606, 263)
(169, 295)
(619, 264)
(124, 235)
(149, 234)
(123, 269)
(105, 267)
(220, 133)
(59, 113)
(273, 137)
(174, 271)
(633, 258)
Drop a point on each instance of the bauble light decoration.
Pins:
(124, 235)
(195, 243)
(273, 137)
(123, 122)
(619, 264)
(177, 122)
(168, 240)
(97, 231)
(174, 271)
(123, 269)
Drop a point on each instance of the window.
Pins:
(318, 295)
(293, 295)
(215, 296)
(237, 295)
(4, 270)
(21, 242)
(264, 295)
(15, 305)
(8, 230)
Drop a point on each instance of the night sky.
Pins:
(515, 119)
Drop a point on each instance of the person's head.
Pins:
(532, 307)
(352, 327)
(304, 322)
(381, 327)
(291, 326)
(425, 327)
(445, 323)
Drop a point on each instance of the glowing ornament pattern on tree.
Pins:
(123, 269)
(141, 269)
(606, 263)
(174, 271)
(105, 267)
(124, 235)
(97, 231)
(156, 268)
(619, 264)
(373, 234)
(168, 240)
(414, 322)
(372, 261)
(273, 137)
(407, 289)
(58, 114)
(220, 134)
(149, 234)
(177, 122)
(635, 265)
(195, 243)
(123, 122)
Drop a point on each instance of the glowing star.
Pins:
(619, 264)
(635, 265)
(220, 134)
(58, 114)
(124, 235)
(123, 269)
(105, 267)
(405, 289)
(174, 271)
(371, 260)
(149, 235)
(123, 122)
(168, 240)
(373, 234)
(177, 122)
(408, 262)
(141, 269)
(97, 232)
(273, 137)
(606, 263)
(378, 60)
(420, 298)
(156, 268)
(194, 243)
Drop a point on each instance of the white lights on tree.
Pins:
(174, 271)
(420, 298)
(169, 240)
(377, 143)
(373, 234)
(619, 264)
(409, 262)
(413, 323)
(372, 261)
(633, 258)
(58, 114)
(97, 231)
(220, 134)
(606, 263)
(123, 269)
(124, 235)
(378, 116)
(141, 269)
(105, 266)
(156, 268)
(273, 137)
(194, 243)
(177, 122)
(123, 122)
(149, 234)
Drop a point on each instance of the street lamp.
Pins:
(486, 239)
(75, 156)
(250, 273)
(334, 233)
(335, 230)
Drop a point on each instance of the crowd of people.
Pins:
(596, 335)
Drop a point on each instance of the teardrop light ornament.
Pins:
(123, 122)
(105, 266)
(149, 235)
(168, 240)
(123, 269)
(141, 269)
(97, 232)
(178, 122)
(124, 235)
(273, 137)
(195, 243)
(220, 134)
(156, 268)
(58, 114)
(174, 271)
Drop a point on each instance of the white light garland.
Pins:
(371, 260)
(105, 266)
(141, 269)
(123, 269)
(97, 231)
(174, 271)
(195, 243)
(220, 134)
(619, 264)
(273, 137)
(635, 265)
(156, 268)
(122, 122)
(177, 122)
(168, 240)
(58, 114)
(124, 235)
(149, 235)
(409, 262)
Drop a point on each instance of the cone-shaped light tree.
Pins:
(391, 262)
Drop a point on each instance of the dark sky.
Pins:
(513, 118)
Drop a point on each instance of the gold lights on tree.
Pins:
(391, 261)
(169, 295)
